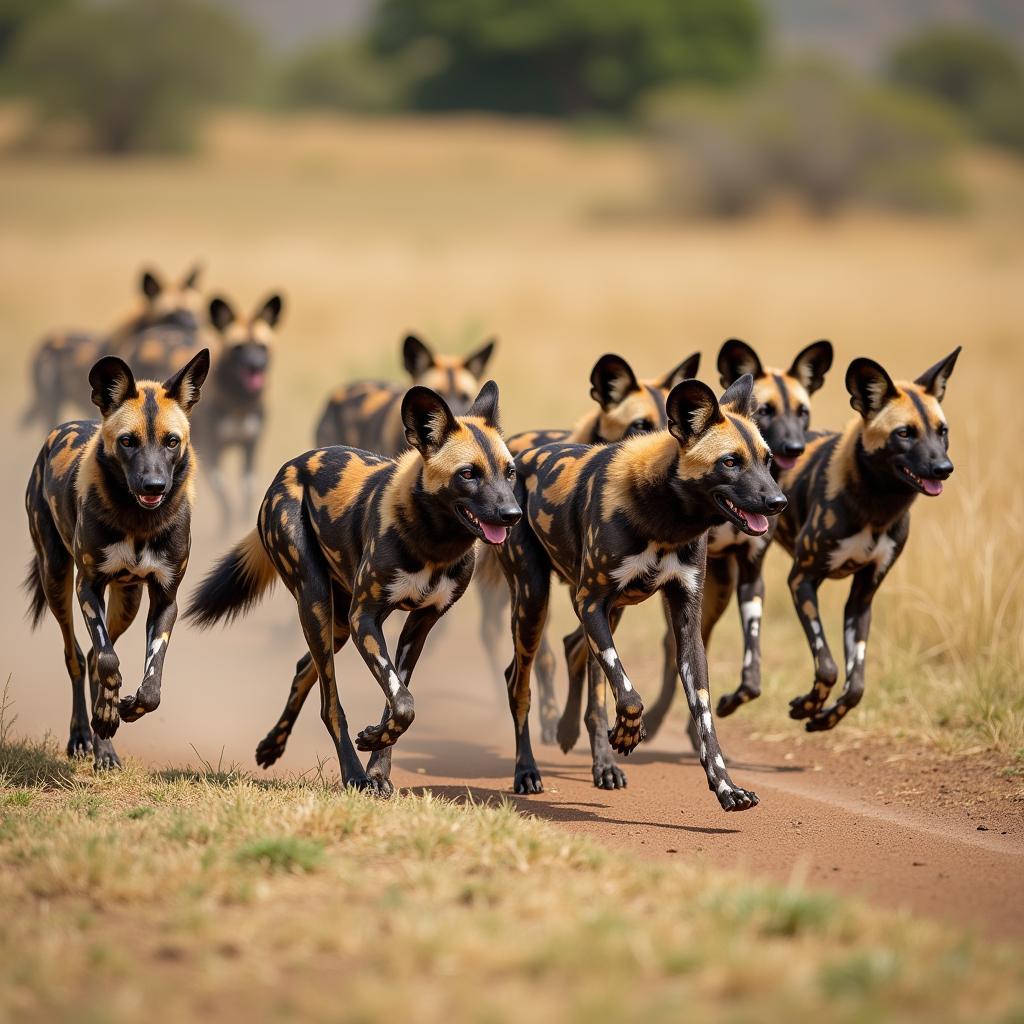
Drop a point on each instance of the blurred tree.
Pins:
(137, 72)
(974, 72)
(569, 56)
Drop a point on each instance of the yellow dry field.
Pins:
(465, 228)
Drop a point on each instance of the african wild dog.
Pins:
(109, 506)
(233, 411)
(60, 363)
(356, 536)
(849, 513)
(782, 411)
(618, 523)
(368, 414)
(626, 407)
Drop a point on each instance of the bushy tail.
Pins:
(234, 585)
(33, 586)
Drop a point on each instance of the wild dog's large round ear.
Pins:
(184, 386)
(612, 378)
(476, 362)
(736, 358)
(428, 420)
(222, 316)
(870, 387)
(811, 365)
(270, 311)
(933, 380)
(191, 279)
(485, 405)
(149, 285)
(686, 370)
(738, 397)
(692, 408)
(112, 383)
(417, 356)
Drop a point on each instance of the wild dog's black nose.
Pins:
(510, 515)
(941, 470)
(775, 505)
(791, 449)
(153, 485)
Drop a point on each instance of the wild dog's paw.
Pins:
(377, 737)
(628, 730)
(827, 719)
(568, 732)
(105, 719)
(80, 741)
(105, 756)
(608, 775)
(730, 702)
(804, 706)
(272, 746)
(372, 785)
(131, 709)
(733, 798)
(527, 780)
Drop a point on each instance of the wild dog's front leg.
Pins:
(107, 666)
(628, 729)
(805, 597)
(368, 636)
(693, 671)
(607, 774)
(248, 477)
(163, 611)
(856, 625)
(750, 595)
(576, 655)
(410, 645)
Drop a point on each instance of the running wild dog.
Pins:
(58, 370)
(782, 412)
(355, 537)
(367, 414)
(619, 523)
(626, 407)
(849, 514)
(109, 507)
(233, 412)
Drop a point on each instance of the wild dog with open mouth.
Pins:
(849, 514)
(619, 523)
(233, 411)
(58, 370)
(626, 407)
(109, 506)
(368, 414)
(782, 412)
(356, 536)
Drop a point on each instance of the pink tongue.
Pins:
(494, 534)
(932, 487)
(784, 461)
(757, 522)
(255, 380)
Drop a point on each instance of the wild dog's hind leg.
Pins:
(805, 597)
(693, 670)
(415, 630)
(576, 652)
(549, 715)
(750, 595)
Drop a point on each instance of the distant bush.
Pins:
(977, 74)
(136, 72)
(805, 131)
(568, 57)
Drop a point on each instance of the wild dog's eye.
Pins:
(510, 473)
(644, 425)
(766, 410)
(728, 461)
(903, 432)
(803, 411)
(126, 440)
(942, 430)
(172, 441)
(469, 473)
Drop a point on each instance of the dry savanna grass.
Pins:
(461, 228)
(174, 895)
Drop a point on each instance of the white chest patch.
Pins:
(415, 589)
(852, 553)
(120, 559)
(238, 429)
(654, 567)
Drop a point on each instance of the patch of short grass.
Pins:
(178, 895)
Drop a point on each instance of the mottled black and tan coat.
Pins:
(618, 523)
(109, 507)
(356, 536)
